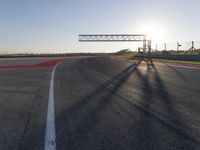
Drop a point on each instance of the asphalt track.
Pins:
(100, 104)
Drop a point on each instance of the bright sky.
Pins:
(54, 25)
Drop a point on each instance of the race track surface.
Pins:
(100, 104)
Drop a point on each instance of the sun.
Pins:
(154, 32)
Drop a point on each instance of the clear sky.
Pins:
(54, 25)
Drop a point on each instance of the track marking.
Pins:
(45, 64)
(50, 134)
(179, 65)
(182, 66)
(185, 66)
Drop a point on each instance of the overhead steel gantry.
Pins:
(118, 38)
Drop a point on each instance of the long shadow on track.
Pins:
(181, 138)
(147, 137)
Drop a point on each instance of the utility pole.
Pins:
(156, 47)
(192, 45)
(165, 46)
(178, 45)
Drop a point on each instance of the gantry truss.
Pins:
(117, 38)
(111, 37)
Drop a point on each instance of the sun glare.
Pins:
(154, 32)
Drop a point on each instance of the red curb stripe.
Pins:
(196, 67)
(185, 66)
(45, 64)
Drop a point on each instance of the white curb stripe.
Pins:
(50, 135)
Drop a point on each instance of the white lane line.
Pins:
(50, 134)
